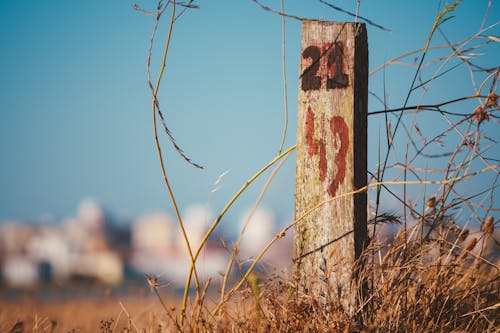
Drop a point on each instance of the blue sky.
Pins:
(75, 117)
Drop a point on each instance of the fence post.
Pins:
(331, 157)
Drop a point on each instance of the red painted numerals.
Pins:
(340, 134)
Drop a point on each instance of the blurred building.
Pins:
(197, 219)
(13, 238)
(78, 247)
(153, 235)
(159, 247)
(86, 246)
(50, 247)
(260, 228)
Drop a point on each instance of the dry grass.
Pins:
(436, 275)
(436, 284)
(93, 315)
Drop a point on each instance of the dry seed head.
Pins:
(332, 252)
(480, 114)
(152, 281)
(431, 203)
(488, 226)
(399, 237)
(491, 101)
(471, 244)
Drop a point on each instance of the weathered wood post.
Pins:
(331, 157)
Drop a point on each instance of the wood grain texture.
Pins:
(331, 157)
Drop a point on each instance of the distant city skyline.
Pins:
(75, 119)
(88, 246)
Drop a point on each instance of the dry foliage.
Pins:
(439, 273)
(436, 284)
(435, 274)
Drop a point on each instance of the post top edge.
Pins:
(310, 21)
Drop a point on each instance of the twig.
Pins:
(159, 151)
(225, 209)
(355, 15)
(283, 70)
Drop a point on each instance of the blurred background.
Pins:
(81, 191)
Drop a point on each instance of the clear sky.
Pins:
(75, 117)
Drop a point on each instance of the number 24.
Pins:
(335, 76)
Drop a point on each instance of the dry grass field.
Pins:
(442, 285)
(93, 315)
(439, 270)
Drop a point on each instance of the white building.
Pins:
(19, 272)
(78, 247)
(50, 246)
(260, 229)
(197, 219)
(159, 247)
(153, 234)
(90, 215)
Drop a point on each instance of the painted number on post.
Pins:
(326, 71)
(312, 76)
(340, 134)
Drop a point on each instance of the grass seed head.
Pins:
(431, 203)
(480, 114)
(491, 101)
(471, 244)
(489, 226)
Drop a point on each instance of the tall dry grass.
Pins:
(440, 271)
(436, 284)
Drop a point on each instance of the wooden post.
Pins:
(331, 157)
